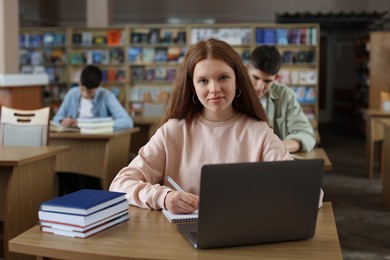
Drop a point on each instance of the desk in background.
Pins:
(97, 155)
(26, 180)
(316, 153)
(148, 126)
(149, 235)
(386, 163)
(374, 133)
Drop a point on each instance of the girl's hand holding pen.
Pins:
(179, 202)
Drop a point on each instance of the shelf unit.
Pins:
(44, 49)
(239, 36)
(154, 53)
(104, 47)
(146, 57)
(362, 58)
(372, 73)
(299, 47)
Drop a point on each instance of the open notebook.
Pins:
(178, 218)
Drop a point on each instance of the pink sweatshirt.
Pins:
(180, 148)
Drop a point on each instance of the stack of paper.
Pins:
(83, 213)
(95, 125)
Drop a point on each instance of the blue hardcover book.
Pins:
(83, 202)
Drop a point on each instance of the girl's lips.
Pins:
(215, 98)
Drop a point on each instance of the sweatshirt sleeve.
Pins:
(140, 180)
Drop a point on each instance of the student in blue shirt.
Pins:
(86, 101)
(91, 100)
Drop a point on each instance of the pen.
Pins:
(177, 187)
(174, 184)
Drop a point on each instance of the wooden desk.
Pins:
(374, 133)
(149, 235)
(386, 163)
(97, 155)
(316, 153)
(26, 180)
(148, 126)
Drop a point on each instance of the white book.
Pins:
(87, 233)
(81, 220)
(101, 124)
(57, 127)
(100, 130)
(78, 228)
(93, 119)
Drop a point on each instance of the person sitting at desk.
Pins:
(88, 100)
(285, 114)
(91, 100)
(213, 116)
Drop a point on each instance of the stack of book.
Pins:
(83, 213)
(95, 125)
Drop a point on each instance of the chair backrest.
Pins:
(24, 127)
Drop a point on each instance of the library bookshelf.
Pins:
(139, 61)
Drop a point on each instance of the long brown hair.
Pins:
(181, 103)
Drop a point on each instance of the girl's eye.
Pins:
(224, 77)
(202, 81)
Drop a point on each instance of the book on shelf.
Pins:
(160, 73)
(134, 54)
(57, 127)
(167, 37)
(181, 37)
(48, 39)
(171, 74)
(117, 56)
(77, 38)
(154, 36)
(178, 218)
(161, 54)
(99, 40)
(114, 38)
(77, 58)
(173, 54)
(136, 37)
(83, 220)
(85, 233)
(85, 201)
(86, 38)
(148, 55)
(137, 73)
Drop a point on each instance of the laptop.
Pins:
(255, 203)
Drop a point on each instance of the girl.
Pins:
(213, 116)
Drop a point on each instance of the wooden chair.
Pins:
(24, 127)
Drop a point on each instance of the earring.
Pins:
(193, 99)
(239, 92)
